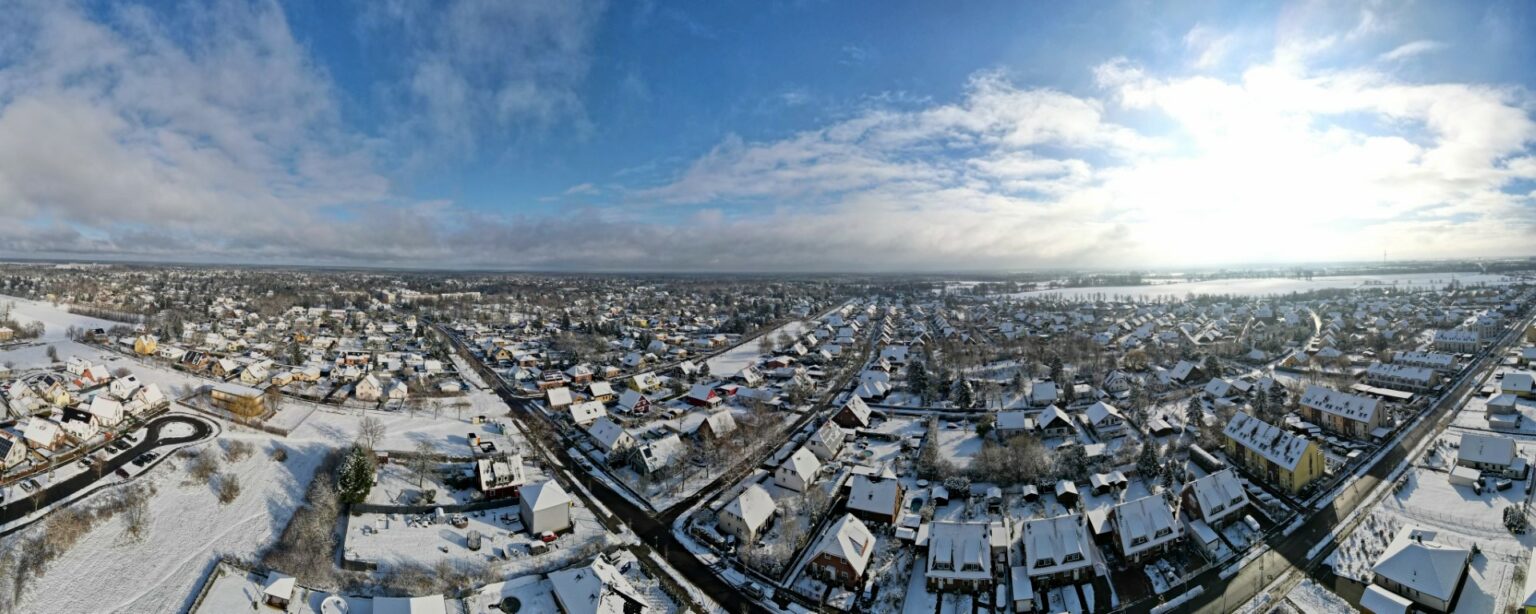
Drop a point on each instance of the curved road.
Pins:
(19, 508)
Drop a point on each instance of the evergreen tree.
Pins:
(964, 398)
(354, 477)
(1148, 463)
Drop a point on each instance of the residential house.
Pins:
(1104, 420)
(1491, 453)
(959, 557)
(611, 438)
(798, 472)
(585, 413)
(1350, 415)
(1057, 549)
(844, 553)
(1144, 527)
(1287, 461)
(876, 498)
(1401, 377)
(854, 414)
(827, 441)
(1215, 498)
(596, 588)
(1424, 571)
(1458, 341)
(545, 508)
(746, 516)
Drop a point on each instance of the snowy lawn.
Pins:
(189, 530)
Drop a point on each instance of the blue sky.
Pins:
(792, 136)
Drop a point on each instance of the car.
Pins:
(34, 485)
(85, 462)
(548, 537)
(26, 486)
(122, 473)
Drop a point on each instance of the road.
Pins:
(20, 508)
(1288, 554)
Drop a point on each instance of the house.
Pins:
(611, 438)
(1428, 573)
(1520, 384)
(843, 554)
(108, 412)
(79, 424)
(1429, 360)
(1288, 461)
(1186, 372)
(1053, 422)
(1057, 549)
(959, 557)
(827, 441)
(595, 588)
(798, 472)
(559, 398)
(1458, 341)
(123, 388)
(430, 604)
(368, 389)
(633, 402)
(1215, 498)
(702, 395)
(1042, 394)
(657, 455)
(1144, 527)
(601, 392)
(1490, 453)
(746, 515)
(854, 414)
(587, 412)
(239, 400)
(1010, 424)
(1401, 377)
(1347, 414)
(644, 382)
(500, 475)
(875, 498)
(42, 433)
(12, 451)
(545, 508)
(716, 425)
(1104, 420)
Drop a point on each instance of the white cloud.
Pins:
(1408, 50)
(1209, 46)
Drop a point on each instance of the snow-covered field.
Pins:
(189, 530)
(745, 355)
(1310, 597)
(1263, 287)
(959, 444)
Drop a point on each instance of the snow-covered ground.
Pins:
(1310, 597)
(746, 354)
(189, 530)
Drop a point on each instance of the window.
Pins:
(1163, 531)
(1045, 563)
(1137, 541)
(1074, 557)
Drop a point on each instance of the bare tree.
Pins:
(420, 465)
(370, 432)
(229, 488)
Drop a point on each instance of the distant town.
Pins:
(333, 441)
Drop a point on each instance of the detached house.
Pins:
(1416, 567)
(854, 414)
(611, 438)
(12, 451)
(826, 442)
(844, 553)
(1144, 527)
(959, 557)
(1215, 498)
(875, 498)
(1057, 549)
(798, 472)
(1104, 420)
(747, 515)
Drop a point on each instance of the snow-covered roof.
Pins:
(432, 604)
(848, 539)
(607, 433)
(1482, 448)
(1273, 443)
(1400, 371)
(545, 495)
(753, 506)
(587, 411)
(596, 588)
(874, 494)
(1417, 562)
(803, 464)
(1145, 523)
(1053, 545)
(1342, 404)
(559, 396)
(959, 550)
(1101, 411)
(1218, 492)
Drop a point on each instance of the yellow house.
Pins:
(1285, 460)
(144, 345)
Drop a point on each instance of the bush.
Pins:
(203, 466)
(229, 488)
(236, 451)
(279, 453)
(307, 545)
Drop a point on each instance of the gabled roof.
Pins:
(1273, 443)
(1485, 448)
(753, 506)
(596, 588)
(588, 411)
(802, 464)
(1100, 411)
(1345, 405)
(1217, 489)
(848, 539)
(607, 432)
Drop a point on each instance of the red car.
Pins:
(547, 537)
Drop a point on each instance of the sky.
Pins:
(793, 136)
